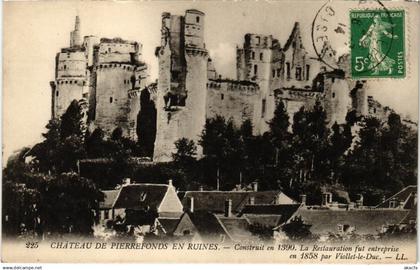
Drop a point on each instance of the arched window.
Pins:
(255, 69)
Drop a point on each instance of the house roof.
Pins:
(214, 201)
(110, 197)
(206, 223)
(169, 224)
(402, 196)
(365, 221)
(285, 211)
(265, 220)
(237, 228)
(141, 196)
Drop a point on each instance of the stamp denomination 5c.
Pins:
(377, 44)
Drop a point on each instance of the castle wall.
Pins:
(113, 105)
(117, 50)
(232, 100)
(89, 44)
(337, 101)
(175, 119)
(64, 92)
(71, 64)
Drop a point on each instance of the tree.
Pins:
(297, 230)
(72, 121)
(68, 204)
(186, 151)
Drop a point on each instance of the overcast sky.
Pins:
(35, 31)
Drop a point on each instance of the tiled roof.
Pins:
(265, 220)
(109, 198)
(141, 196)
(411, 216)
(206, 223)
(237, 228)
(366, 221)
(214, 201)
(285, 211)
(169, 224)
(403, 196)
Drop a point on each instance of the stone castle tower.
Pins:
(181, 97)
(105, 76)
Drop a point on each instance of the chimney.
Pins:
(201, 188)
(359, 202)
(228, 208)
(170, 182)
(255, 186)
(192, 204)
(326, 198)
(126, 181)
(252, 200)
(302, 199)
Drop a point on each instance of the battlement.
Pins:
(259, 41)
(125, 66)
(193, 51)
(118, 40)
(231, 85)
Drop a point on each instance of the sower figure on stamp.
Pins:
(372, 40)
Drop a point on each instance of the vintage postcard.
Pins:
(210, 132)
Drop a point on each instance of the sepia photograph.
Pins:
(210, 132)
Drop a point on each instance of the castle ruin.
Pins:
(108, 77)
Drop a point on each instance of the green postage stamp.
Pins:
(377, 44)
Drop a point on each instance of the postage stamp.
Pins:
(377, 44)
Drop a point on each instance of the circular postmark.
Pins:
(365, 27)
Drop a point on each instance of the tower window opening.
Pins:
(333, 95)
(56, 93)
(222, 96)
(298, 73)
(64, 67)
(197, 19)
(253, 55)
(255, 69)
(111, 100)
(261, 56)
(263, 104)
(288, 70)
(274, 73)
(307, 72)
(258, 40)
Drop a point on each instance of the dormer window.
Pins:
(143, 196)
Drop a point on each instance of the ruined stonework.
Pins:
(105, 76)
(181, 99)
(234, 100)
(109, 79)
(119, 78)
